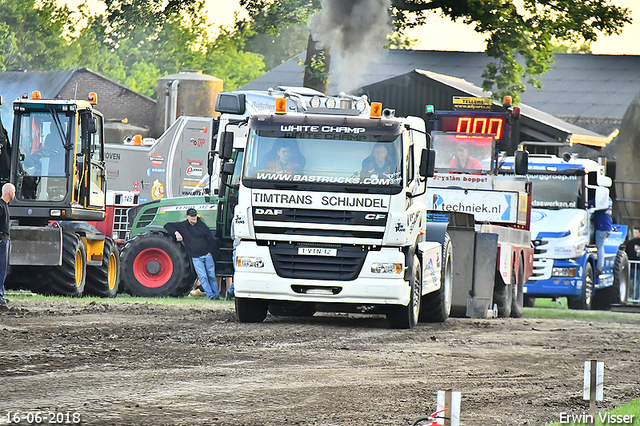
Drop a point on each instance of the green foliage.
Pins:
(134, 42)
(519, 33)
(33, 35)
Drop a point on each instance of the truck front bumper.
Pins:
(368, 288)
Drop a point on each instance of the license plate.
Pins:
(315, 251)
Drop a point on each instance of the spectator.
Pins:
(199, 243)
(603, 223)
(633, 252)
(8, 194)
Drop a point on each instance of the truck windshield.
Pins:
(557, 191)
(41, 163)
(463, 153)
(369, 160)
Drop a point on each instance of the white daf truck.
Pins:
(332, 215)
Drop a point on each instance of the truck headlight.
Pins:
(386, 268)
(249, 262)
(563, 272)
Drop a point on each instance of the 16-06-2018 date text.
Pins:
(43, 417)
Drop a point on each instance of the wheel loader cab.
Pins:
(58, 161)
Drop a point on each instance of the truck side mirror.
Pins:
(428, 163)
(521, 162)
(91, 126)
(226, 145)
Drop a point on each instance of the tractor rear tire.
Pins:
(104, 280)
(155, 265)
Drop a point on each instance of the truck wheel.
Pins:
(407, 316)
(617, 293)
(155, 265)
(529, 301)
(292, 309)
(68, 279)
(517, 302)
(251, 310)
(104, 280)
(503, 294)
(436, 306)
(584, 302)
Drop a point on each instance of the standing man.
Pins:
(199, 244)
(603, 222)
(8, 194)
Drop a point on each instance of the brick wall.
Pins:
(115, 101)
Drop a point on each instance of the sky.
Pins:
(441, 33)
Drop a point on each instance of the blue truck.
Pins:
(563, 236)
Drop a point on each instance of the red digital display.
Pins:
(468, 124)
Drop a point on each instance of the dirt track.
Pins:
(145, 364)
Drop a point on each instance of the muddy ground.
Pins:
(146, 364)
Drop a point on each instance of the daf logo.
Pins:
(374, 216)
(270, 212)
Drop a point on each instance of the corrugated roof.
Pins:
(577, 85)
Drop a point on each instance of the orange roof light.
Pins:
(506, 101)
(281, 105)
(93, 98)
(376, 110)
(137, 140)
(36, 95)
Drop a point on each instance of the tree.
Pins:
(33, 35)
(518, 38)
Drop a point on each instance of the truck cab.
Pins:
(566, 192)
(331, 215)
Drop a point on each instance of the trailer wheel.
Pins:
(584, 301)
(517, 302)
(104, 280)
(251, 310)
(155, 265)
(407, 316)
(68, 279)
(617, 293)
(503, 294)
(436, 306)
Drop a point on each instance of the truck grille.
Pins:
(345, 266)
(539, 248)
(120, 224)
(322, 226)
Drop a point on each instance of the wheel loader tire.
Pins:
(436, 306)
(70, 278)
(104, 280)
(156, 265)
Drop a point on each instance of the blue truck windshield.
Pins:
(557, 191)
(313, 158)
